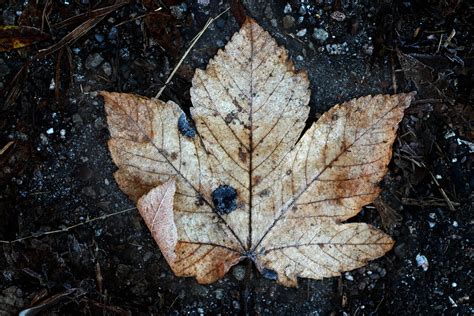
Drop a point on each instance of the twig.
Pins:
(62, 230)
(5, 148)
(193, 42)
(445, 196)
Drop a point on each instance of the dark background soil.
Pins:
(57, 171)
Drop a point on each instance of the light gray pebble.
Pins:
(320, 34)
(219, 294)
(93, 61)
(107, 69)
(301, 33)
(239, 272)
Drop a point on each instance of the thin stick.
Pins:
(57, 231)
(193, 42)
(443, 193)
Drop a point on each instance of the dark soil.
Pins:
(56, 171)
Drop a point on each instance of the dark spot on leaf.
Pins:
(269, 274)
(173, 156)
(242, 155)
(199, 200)
(257, 179)
(185, 127)
(224, 199)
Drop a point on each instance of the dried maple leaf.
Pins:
(242, 184)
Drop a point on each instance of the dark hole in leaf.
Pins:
(185, 127)
(269, 274)
(224, 199)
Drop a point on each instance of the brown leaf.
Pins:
(14, 37)
(246, 185)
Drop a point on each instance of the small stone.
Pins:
(239, 272)
(50, 131)
(113, 34)
(299, 58)
(52, 84)
(76, 119)
(107, 69)
(301, 33)
(422, 261)
(268, 12)
(147, 256)
(99, 124)
(200, 290)
(288, 21)
(93, 61)
(219, 294)
(178, 11)
(302, 10)
(62, 133)
(338, 16)
(124, 53)
(99, 37)
(235, 305)
(454, 284)
(455, 224)
(320, 34)
(337, 49)
(349, 277)
(220, 43)
(287, 9)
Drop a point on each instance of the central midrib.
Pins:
(249, 238)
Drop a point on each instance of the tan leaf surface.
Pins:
(247, 185)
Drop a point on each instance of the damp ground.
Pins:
(56, 170)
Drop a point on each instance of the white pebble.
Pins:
(52, 85)
(301, 33)
(455, 224)
(50, 131)
(287, 9)
(454, 284)
(422, 261)
(62, 132)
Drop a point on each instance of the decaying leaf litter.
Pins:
(433, 132)
(242, 184)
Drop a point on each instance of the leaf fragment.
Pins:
(14, 37)
(247, 185)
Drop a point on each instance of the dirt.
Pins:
(57, 172)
